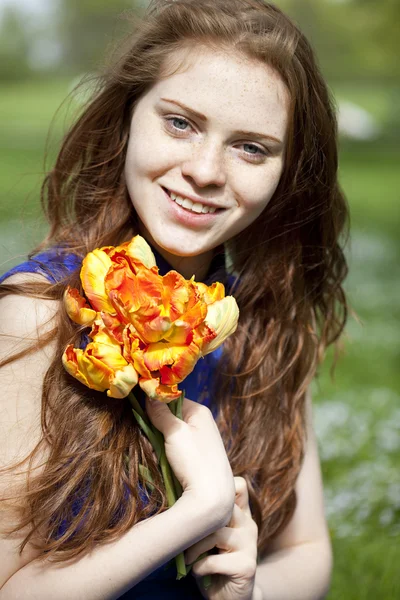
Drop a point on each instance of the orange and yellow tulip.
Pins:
(157, 325)
(77, 308)
(101, 366)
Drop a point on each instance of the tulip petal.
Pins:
(179, 334)
(203, 335)
(70, 362)
(96, 371)
(222, 317)
(140, 251)
(211, 293)
(133, 353)
(194, 316)
(175, 294)
(148, 292)
(77, 308)
(152, 331)
(106, 354)
(124, 380)
(163, 393)
(77, 364)
(113, 325)
(101, 365)
(139, 364)
(173, 362)
(95, 267)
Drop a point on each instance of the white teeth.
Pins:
(187, 204)
(196, 207)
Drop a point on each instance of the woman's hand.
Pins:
(233, 570)
(196, 453)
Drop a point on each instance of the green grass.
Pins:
(369, 176)
(368, 569)
(357, 415)
(28, 109)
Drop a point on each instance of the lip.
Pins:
(193, 198)
(187, 217)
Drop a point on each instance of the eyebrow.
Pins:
(203, 118)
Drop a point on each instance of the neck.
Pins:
(188, 265)
(185, 265)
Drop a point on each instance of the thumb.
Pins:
(160, 415)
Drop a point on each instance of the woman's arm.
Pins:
(299, 564)
(110, 570)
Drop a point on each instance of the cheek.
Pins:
(260, 191)
(146, 154)
(144, 158)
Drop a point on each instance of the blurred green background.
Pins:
(47, 45)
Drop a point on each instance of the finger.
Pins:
(242, 494)
(248, 528)
(235, 564)
(226, 539)
(190, 408)
(161, 416)
(239, 517)
(204, 545)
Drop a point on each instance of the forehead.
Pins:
(226, 85)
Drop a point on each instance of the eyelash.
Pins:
(263, 152)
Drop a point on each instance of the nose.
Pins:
(206, 165)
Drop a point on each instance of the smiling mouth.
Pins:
(190, 206)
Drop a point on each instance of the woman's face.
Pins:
(205, 152)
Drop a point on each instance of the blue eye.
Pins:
(254, 150)
(177, 123)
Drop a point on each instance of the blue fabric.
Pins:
(55, 264)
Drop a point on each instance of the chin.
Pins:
(179, 251)
(178, 247)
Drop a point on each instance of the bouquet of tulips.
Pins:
(146, 329)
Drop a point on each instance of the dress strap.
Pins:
(54, 264)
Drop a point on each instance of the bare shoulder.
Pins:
(22, 320)
(22, 316)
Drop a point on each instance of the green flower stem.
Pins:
(176, 408)
(153, 435)
(157, 440)
(206, 579)
(177, 486)
(173, 487)
(136, 405)
(171, 499)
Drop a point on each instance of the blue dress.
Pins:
(54, 264)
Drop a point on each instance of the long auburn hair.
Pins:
(290, 269)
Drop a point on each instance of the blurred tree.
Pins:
(355, 39)
(14, 45)
(87, 27)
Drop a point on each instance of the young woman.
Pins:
(213, 136)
